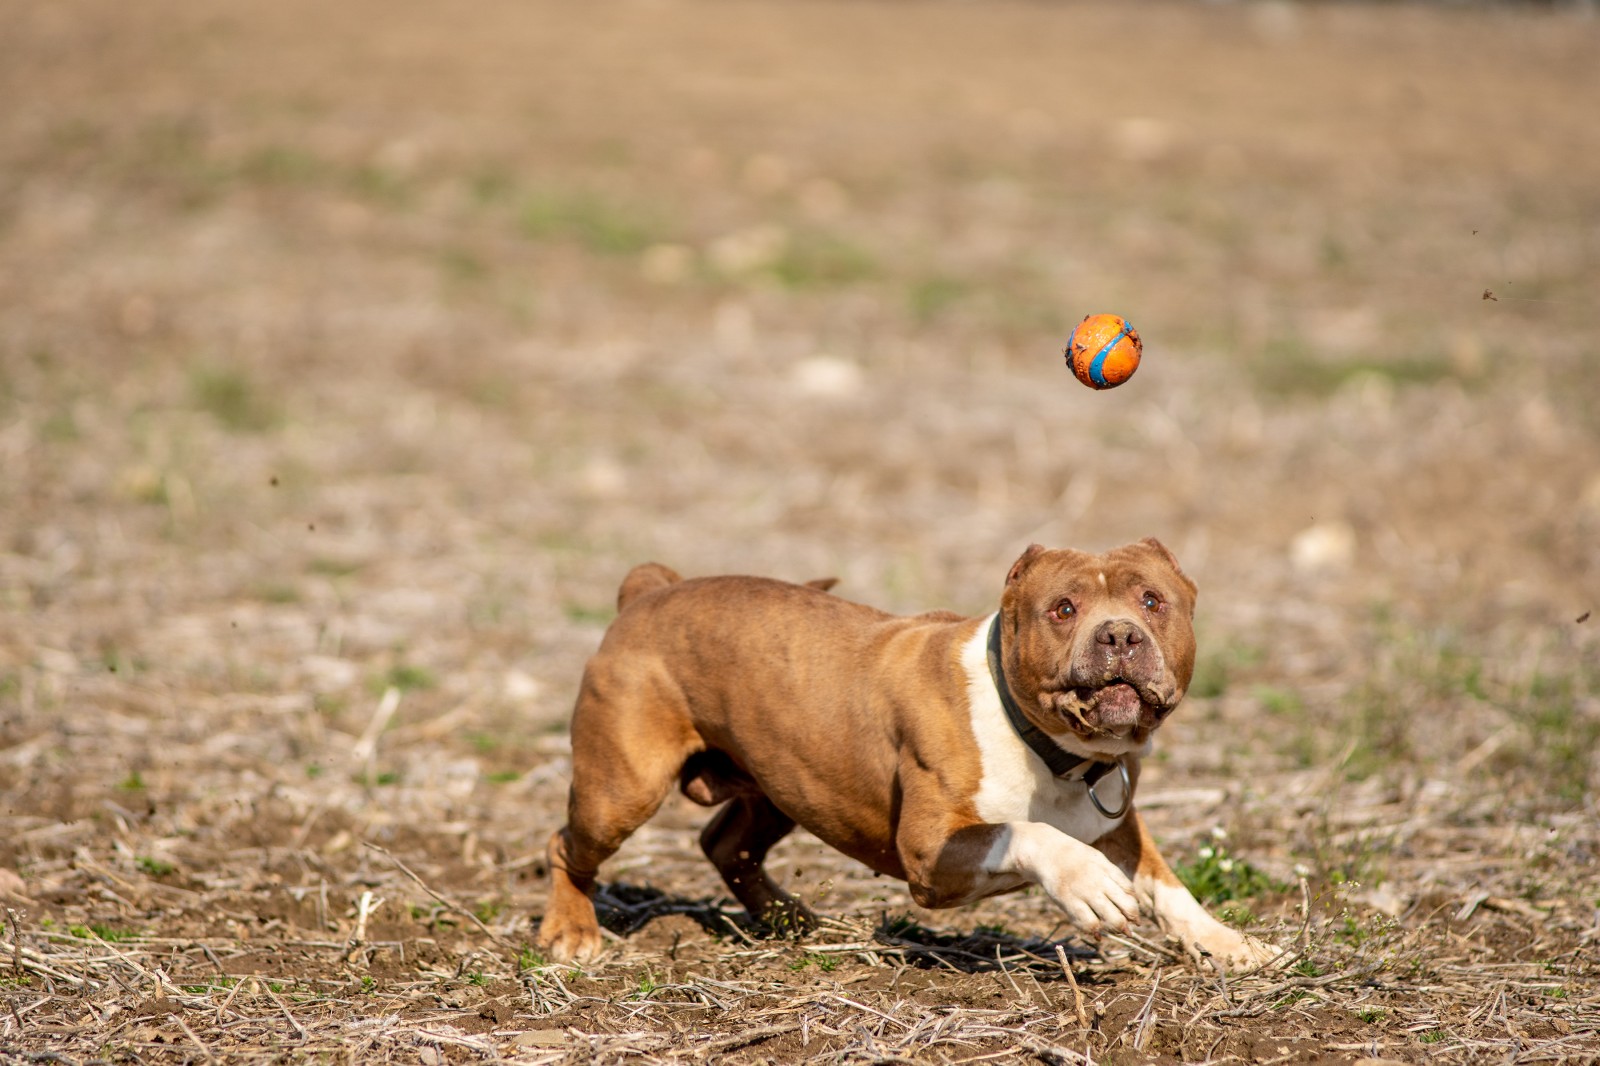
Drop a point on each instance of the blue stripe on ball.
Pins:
(1097, 367)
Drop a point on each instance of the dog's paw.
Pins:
(560, 941)
(1230, 951)
(1095, 894)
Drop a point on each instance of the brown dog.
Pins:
(967, 757)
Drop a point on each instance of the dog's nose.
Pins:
(1119, 634)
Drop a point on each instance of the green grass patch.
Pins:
(904, 927)
(993, 929)
(1279, 702)
(929, 298)
(1218, 668)
(1212, 674)
(462, 266)
(279, 165)
(825, 963)
(228, 395)
(60, 427)
(1026, 313)
(404, 676)
(1215, 876)
(326, 567)
(380, 185)
(1291, 367)
(1561, 740)
(1356, 933)
(492, 184)
(1418, 676)
(597, 224)
(211, 986)
(109, 934)
(816, 260)
(328, 704)
(1357, 860)
(1236, 914)
(154, 867)
(586, 615)
(277, 592)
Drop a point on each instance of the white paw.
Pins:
(1094, 893)
(1230, 951)
(1206, 941)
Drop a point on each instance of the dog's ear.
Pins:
(1020, 567)
(1171, 560)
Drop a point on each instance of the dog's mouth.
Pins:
(1116, 704)
(1126, 710)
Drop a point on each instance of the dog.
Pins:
(965, 756)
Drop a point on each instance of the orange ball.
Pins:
(1104, 351)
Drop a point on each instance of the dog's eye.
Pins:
(1063, 611)
(1151, 602)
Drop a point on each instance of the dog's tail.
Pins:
(646, 577)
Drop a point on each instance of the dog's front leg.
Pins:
(947, 869)
(1172, 904)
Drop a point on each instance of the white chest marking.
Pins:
(1015, 785)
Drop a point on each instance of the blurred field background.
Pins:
(351, 353)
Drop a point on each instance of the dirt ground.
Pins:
(350, 353)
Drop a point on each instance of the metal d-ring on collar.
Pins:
(1127, 792)
(1060, 761)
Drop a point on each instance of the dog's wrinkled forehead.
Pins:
(1046, 572)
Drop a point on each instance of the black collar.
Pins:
(1060, 761)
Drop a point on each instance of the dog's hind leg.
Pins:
(630, 737)
(737, 841)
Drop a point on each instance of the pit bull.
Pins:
(964, 756)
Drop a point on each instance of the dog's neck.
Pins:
(1060, 761)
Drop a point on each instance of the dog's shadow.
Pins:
(625, 909)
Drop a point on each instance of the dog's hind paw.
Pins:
(567, 941)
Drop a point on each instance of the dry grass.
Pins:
(855, 991)
(349, 354)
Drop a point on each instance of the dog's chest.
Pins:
(1016, 785)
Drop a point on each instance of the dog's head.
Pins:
(1098, 649)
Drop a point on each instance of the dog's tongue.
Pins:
(1118, 705)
